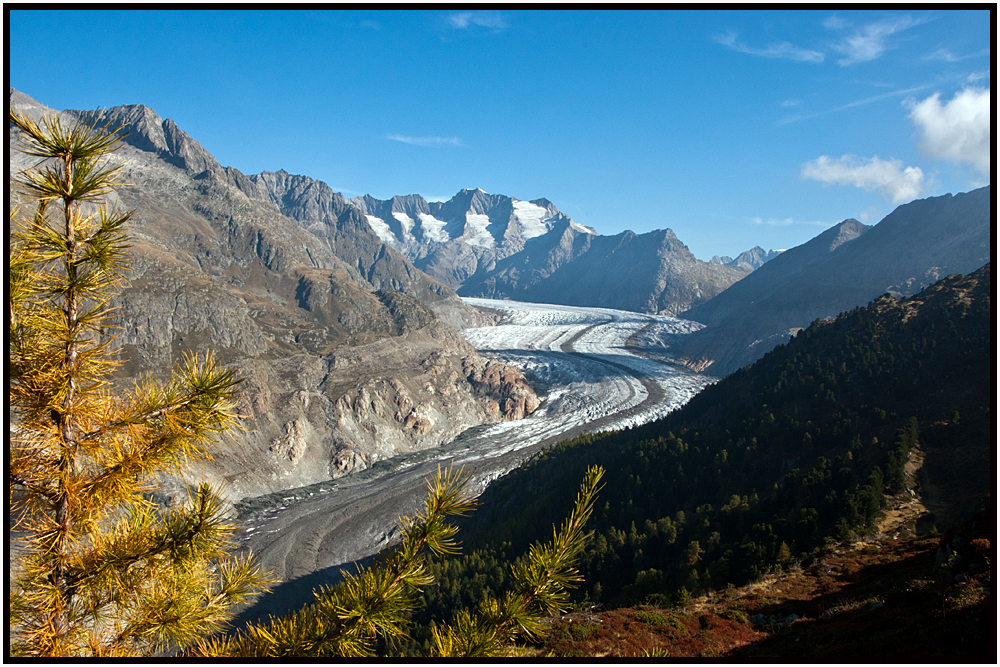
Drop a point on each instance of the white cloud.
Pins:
(774, 50)
(426, 141)
(942, 54)
(869, 213)
(786, 222)
(493, 20)
(958, 130)
(888, 177)
(836, 23)
(870, 41)
(791, 103)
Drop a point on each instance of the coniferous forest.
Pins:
(799, 449)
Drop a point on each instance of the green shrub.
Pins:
(735, 615)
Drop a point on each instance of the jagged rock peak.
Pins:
(300, 197)
(751, 259)
(476, 201)
(146, 130)
(847, 230)
(411, 205)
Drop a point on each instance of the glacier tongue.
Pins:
(593, 382)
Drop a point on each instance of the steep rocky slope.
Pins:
(843, 267)
(350, 237)
(650, 273)
(345, 360)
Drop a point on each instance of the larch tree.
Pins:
(96, 568)
(349, 619)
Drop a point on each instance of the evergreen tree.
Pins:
(95, 567)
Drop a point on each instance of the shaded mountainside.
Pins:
(651, 273)
(843, 267)
(817, 442)
(349, 236)
(345, 359)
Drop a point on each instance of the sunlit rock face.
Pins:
(346, 349)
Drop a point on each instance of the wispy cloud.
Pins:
(949, 57)
(958, 130)
(856, 103)
(889, 177)
(426, 141)
(881, 96)
(791, 103)
(868, 42)
(785, 50)
(786, 222)
(484, 19)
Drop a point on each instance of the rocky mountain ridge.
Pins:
(346, 360)
(465, 235)
(500, 247)
(845, 266)
(752, 259)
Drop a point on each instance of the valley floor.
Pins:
(584, 364)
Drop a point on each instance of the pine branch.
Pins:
(346, 620)
(541, 588)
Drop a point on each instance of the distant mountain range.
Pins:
(454, 240)
(845, 266)
(500, 247)
(752, 259)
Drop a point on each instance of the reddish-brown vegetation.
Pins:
(918, 598)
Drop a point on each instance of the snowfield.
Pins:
(532, 218)
(589, 378)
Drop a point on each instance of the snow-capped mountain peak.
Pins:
(452, 240)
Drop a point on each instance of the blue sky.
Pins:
(733, 128)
